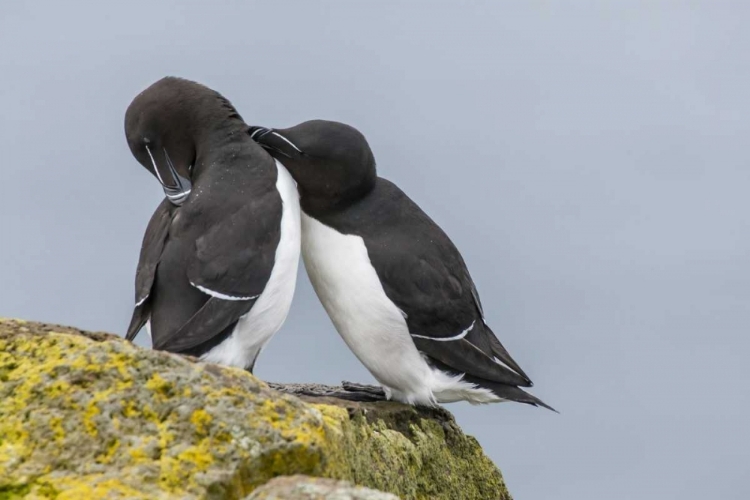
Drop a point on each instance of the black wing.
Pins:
(434, 295)
(231, 263)
(423, 273)
(154, 239)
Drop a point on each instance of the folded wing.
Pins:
(154, 239)
(232, 263)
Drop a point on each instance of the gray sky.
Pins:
(589, 160)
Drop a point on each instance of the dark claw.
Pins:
(348, 390)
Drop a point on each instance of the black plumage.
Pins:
(220, 239)
(419, 267)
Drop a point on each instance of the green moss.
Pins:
(88, 415)
(14, 492)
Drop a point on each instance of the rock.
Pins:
(89, 415)
(311, 488)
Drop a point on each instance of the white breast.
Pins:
(269, 312)
(369, 322)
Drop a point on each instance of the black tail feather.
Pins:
(512, 393)
(505, 391)
(140, 317)
(501, 353)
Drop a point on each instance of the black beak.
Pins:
(274, 142)
(177, 188)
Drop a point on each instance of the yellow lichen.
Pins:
(112, 451)
(165, 436)
(130, 410)
(55, 424)
(138, 454)
(91, 418)
(157, 384)
(200, 419)
(92, 487)
(199, 456)
(88, 418)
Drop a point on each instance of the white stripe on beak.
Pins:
(153, 162)
(287, 141)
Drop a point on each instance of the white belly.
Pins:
(270, 310)
(370, 323)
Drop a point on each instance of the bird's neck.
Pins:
(321, 204)
(215, 145)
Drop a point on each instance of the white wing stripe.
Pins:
(220, 295)
(446, 339)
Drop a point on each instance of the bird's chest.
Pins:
(346, 282)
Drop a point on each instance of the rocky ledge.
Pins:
(89, 415)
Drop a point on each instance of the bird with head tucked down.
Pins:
(218, 263)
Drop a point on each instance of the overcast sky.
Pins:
(590, 160)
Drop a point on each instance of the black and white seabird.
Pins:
(218, 264)
(393, 283)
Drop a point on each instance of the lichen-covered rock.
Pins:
(89, 415)
(313, 488)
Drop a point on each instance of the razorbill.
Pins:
(218, 264)
(393, 283)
